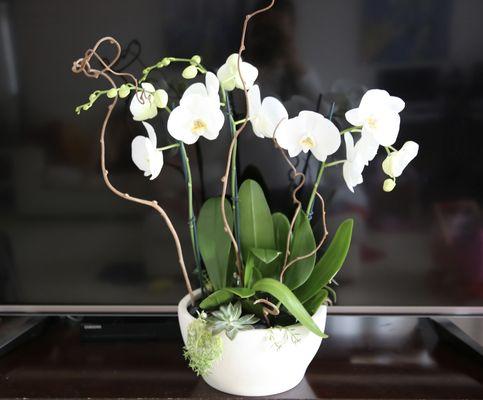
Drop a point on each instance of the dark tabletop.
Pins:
(365, 357)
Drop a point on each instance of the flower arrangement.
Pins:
(256, 269)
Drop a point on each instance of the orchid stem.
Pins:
(191, 215)
(352, 129)
(233, 178)
(310, 206)
(322, 166)
(331, 164)
(240, 121)
(160, 65)
(170, 146)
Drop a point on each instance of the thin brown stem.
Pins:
(317, 248)
(295, 175)
(83, 66)
(224, 178)
(272, 309)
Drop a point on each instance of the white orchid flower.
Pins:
(366, 148)
(198, 113)
(145, 155)
(144, 105)
(378, 114)
(264, 115)
(210, 89)
(229, 75)
(397, 161)
(354, 164)
(309, 131)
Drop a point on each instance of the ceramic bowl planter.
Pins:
(260, 362)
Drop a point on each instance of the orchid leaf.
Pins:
(283, 294)
(213, 241)
(281, 226)
(330, 263)
(251, 273)
(265, 255)
(256, 226)
(314, 303)
(303, 243)
(223, 296)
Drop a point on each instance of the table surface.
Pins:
(365, 357)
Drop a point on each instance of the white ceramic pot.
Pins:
(261, 362)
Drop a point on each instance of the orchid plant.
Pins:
(254, 265)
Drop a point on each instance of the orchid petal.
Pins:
(151, 134)
(289, 134)
(353, 117)
(139, 153)
(179, 125)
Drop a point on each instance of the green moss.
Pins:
(202, 347)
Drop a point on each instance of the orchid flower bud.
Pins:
(161, 98)
(111, 93)
(389, 185)
(189, 72)
(123, 91)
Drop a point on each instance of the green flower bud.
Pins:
(189, 72)
(123, 91)
(146, 70)
(160, 98)
(111, 93)
(85, 107)
(166, 61)
(92, 97)
(196, 59)
(389, 185)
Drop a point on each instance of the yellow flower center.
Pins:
(372, 123)
(307, 143)
(199, 126)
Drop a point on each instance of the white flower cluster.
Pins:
(199, 114)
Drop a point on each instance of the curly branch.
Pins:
(317, 248)
(272, 309)
(224, 179)
(82, 65)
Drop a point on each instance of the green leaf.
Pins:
(213, 240)
(225, 295)
(216, 298)
(313, 304)
(330, 263)
(256, 226)
(283, 294)
(303, 242)
(257, 275)
(251, 273)
(265, 255)
(281, 226)
(248, 272)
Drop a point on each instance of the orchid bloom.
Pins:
(198, 113)
(144, 105)
(397, 161)
(378, 114)
(354, 164)
(264, 115)
(309, 131)
(229, 75)
(366, 148)
(145, 155)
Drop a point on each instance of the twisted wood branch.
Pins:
(82, 65)
(224, 178)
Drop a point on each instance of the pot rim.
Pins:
(183, 308)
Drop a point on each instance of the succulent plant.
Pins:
(229, 319)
